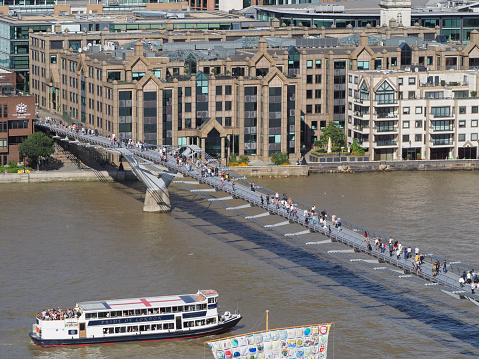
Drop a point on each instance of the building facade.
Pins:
(17, 113)
(253, 101)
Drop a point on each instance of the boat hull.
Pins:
(178, 334)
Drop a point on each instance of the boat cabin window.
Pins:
(200, 306)
(188, 324)
(132, 329)
(91, 316)
(103, 315)
(211, 300)
(189, 308)
(144, 311)
(120, 330)
(168, 326)
(211, 321)
(199, 322)
(165, 310)
(178, 309)
(116, 314)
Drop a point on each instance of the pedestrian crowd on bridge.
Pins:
(469, 278)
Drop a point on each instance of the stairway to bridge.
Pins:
(158, 172)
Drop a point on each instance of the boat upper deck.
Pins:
(147, 302)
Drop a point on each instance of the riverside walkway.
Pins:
(348, 234)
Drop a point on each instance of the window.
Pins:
(474, 123)
(309, 93)
(462, 124)
(317, 93)
(462, 109)
(405, 138)
(219, 106)
(474, 109)
(394, 61)
(473, 136)
(53, 59)
(309, 79)
(187, 106)
(318, 79)
(318, 64)
(418, 109)
(462, 137)
(350, 79)
(385, 93)
(309, 108)
(411, 95)
(356, 79)
(412, 81)
(363, 65)
(400, 81)
(227, 121)
(228, 90)
(187, 91)
(219, 91)
(405, 124)
(405, 110)
(440, 111)
(418, 137)
(227, 105)
(418, 123)
(317, 108)
(309, 64)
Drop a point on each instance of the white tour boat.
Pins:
(121, 320)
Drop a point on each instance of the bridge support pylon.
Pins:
(157, 200)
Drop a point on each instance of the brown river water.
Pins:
(63, 243)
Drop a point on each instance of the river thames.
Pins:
(64, 243)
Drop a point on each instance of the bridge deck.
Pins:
(349, 233)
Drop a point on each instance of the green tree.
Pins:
(335, 132)
(279, 158)
(243, 159)
(35, 146)
(356, 148)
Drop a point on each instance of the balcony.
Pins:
(386, 143)
(386, 129)
(442, 129)
(442, 142)
(385, 103)
(387, 115)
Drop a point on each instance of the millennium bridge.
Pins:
(157, 172)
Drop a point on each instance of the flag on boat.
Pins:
(303, 342)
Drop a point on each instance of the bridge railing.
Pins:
(243, 190)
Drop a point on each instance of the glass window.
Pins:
(405, 138)
(412, 80)
(309, 64)
(474, 109)
(227, 90)
(363, 65)
(473, 136)
(405, 124)
(385, 93)
(219, 106)
(318, 64)
(462, 124)
(418, 109)
(187, 91)
(400, 81)
(405, 110)
(219, 90)
(474, 123)
(418, 137)
(462, 137)
(462, 109)
(418, 123)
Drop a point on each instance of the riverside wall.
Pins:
(390, 166)
(73, 176)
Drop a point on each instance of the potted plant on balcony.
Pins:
(408, 157)
(418, 156)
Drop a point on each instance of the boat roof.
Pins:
(146, 302)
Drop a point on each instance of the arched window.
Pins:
(364, 92)
(385, 93)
